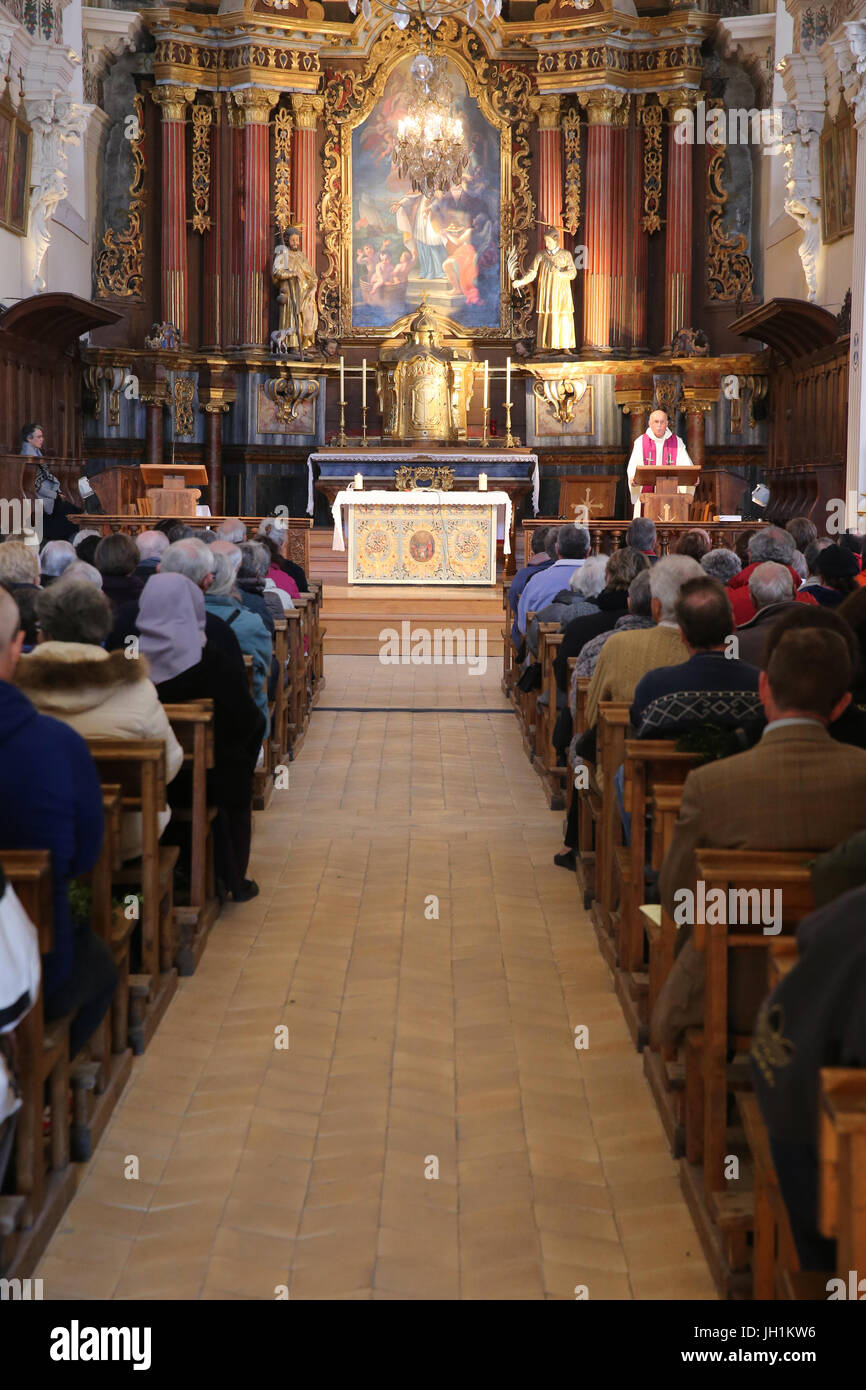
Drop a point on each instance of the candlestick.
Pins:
(359, 482)
(482, 482)
(364, 426)
(484, 440)
(508, 381)
(341, 437)
(510, 441)
(486, 383)
(342, 381)
(364, 382)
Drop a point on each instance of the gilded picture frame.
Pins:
(838, 157)
(16, 141)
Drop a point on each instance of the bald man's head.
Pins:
(11, 635)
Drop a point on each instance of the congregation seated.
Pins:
(116, 558)
(151, 546)
(850, 725)
(696, 543)
(614, 611)
(54, 558)
(97, 693)
(84, 535)
(186, 664)
(51, 799)
(572, 548)
(838, 570)
(810, 555)
(251, 596)
(815, 1017)
(253, 579)
(721, 564)
(273, 533)
(627, 656)
(711, 689)
(86, 549)
(641, 536)
(803, 531)
(539, 559)
(771, 590)
(20, 576)
(576, 600)
(797, 788)
(770, 544)
(247, 626)
(79, 569)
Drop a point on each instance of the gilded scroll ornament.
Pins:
(289, 393)
(426, 475)
(120, 262)
(282, 171)
(184, 420)
(202, 117)
(571, 131)
(730, 275)
(651, 119)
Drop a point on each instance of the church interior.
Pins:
(432, 832)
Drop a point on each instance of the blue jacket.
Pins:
(254, 641)
(50, 798)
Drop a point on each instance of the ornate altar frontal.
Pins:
(436, 544)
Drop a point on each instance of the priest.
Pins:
(659, 447)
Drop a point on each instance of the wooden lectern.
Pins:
(665, 503)
(169, 490)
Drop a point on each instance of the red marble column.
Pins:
(305, 175)
(211, 322)
(550, 190)
(620, 222)
(599, 210)
(696, 434)
(678, 233)
(174, 277)
(256, 246)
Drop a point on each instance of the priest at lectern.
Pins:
(656, 447)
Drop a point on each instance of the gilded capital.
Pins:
(547, 110)
(681, 97)
(604, 107)
(307, 111)
(173, 100)
(253, 105)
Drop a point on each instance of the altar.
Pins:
(422, 537)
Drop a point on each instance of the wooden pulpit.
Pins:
(665, 503)
(171, 489)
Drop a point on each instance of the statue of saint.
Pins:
(296, 294)
(555, 269)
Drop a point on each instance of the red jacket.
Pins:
(741, 599)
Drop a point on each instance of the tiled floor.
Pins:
(431, 1130)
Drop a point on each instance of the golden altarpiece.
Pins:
(264, 134)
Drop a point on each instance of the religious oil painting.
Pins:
(7, 125)
(19, 181)
(407, 245)
(838, 150)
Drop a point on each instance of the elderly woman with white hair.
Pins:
(248, 627)
(56, 556)
(576, 600)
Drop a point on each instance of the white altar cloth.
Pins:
(404, 456)
(419, 497)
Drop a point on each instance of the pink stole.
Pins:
(669, 454)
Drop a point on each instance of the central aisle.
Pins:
(412, 1040)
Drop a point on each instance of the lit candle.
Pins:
(359, 482)
(486, 383)
(363, 381)
(508, 381)
(342, 381)
(482, 482)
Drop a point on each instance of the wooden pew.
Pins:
(724, 1215)
(663, 1070)
(280, 719)
(611, 732)
(101, 1070)
(646, 761)
(44, 1178)
(508, 671)
(138, 767)
(775, 1264)
(317, 653)
(588, 800)
(295, 688)
(192, 725)
(842, 1160)
(544, 759)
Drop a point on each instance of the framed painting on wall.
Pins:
(838, 154)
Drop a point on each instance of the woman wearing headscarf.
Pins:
(253, 637)
(185, 666)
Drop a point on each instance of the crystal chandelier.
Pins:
(430, 147)
(429, 12)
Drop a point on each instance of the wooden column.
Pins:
(213, 456)
(305, 173)
(599, 204)
(622, 141)
(550, 191)
(153, 395)
(173, 101)
(696, 433)
(678, 224)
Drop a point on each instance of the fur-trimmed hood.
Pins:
(67, 677)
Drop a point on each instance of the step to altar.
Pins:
(356, 615)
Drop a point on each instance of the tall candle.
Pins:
(486, 383)
(508, 381)
(363, 381)
(482, 482)
(342, 380)
(359, 482)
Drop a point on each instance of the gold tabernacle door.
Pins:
(424, 389)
